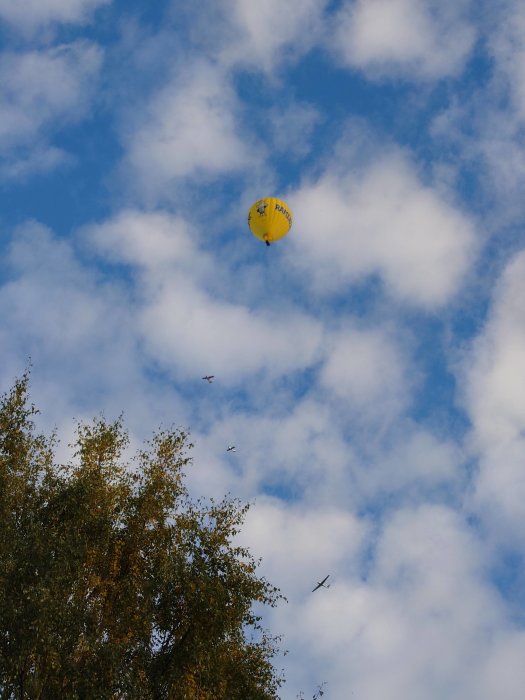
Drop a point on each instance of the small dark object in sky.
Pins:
(320, 584)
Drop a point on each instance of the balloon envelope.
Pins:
(269, 219)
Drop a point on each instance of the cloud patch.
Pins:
(190, 129)
(382, 221)
(190, 327)
(413, 39)
(494, 391)
(41, 91)
(418, 609)
(266, 32)
(29, 15)
(366, 370)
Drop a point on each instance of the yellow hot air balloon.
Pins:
(269, 219)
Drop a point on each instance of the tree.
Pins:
(318, 693)
(114, 583)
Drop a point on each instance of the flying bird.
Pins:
(209, 378)
(230, 448)
(321, 584)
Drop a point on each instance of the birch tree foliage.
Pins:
(114, 583)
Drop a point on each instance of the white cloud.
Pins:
(495, 368)
(187, 328)
(499, 492)
(413, 464)
(309, 456)
(498, 111)
(29, 15)
(506, 45)
(40, 91)
(417, 39)
(485, 123)
(292, 127)
(190, 129)
(494, 385)
(261, 33)
(427, 555)
(383, 220)
(417, 609)
(366, 370)
(300, 544)
(39, 159)
(283, 444)
(186, 323)
(79, 333)
(325, 449)
(503, 674)
(146, 240)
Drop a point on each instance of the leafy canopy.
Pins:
(114, 583)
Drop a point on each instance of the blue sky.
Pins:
(369, 367)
